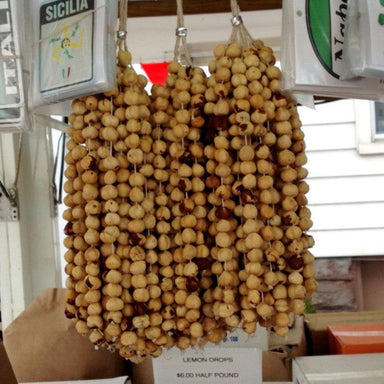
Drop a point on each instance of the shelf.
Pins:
(147, 8)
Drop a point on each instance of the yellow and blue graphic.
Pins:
(65, 47)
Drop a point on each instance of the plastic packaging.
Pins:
(312, 57)
(74, 50)
(364, 39)
(12, 97)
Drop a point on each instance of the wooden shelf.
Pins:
(147, 8)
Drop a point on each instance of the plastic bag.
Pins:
(364, 39)
(312, 57)
(13, 116)
(73, 52)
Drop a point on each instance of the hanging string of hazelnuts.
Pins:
(186, 213)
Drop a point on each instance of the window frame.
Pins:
(367, 141)
(376, 136)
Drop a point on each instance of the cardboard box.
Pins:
(316, 325)
(356, 338)
(6, 372)
(277, 361)
(339, 369)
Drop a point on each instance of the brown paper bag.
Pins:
(6, 373)
(43, 345)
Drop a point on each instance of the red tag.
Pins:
(156, 72)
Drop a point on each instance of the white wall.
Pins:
(29, 259)
(152, 39)
(346, 187)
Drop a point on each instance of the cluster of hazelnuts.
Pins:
(186, 209)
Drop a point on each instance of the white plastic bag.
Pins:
(13, 116)
(312, 57)
(364, 39)
(74, 50)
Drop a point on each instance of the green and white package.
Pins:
(313, 56)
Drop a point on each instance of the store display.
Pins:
(187, 213)
(187, 219)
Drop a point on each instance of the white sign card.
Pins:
(209, 365)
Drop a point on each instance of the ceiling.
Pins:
(145, 8)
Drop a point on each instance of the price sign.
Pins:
(209, 365)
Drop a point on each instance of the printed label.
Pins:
(326, 23)
(240, 339)
(209, 365)
(66, 45)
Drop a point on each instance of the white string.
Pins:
(235, 8)
(240, 34)
(181, 36)
(122, 32)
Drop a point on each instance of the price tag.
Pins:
(209, 365)
(239, 339)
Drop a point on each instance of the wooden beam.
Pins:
(145, 8)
